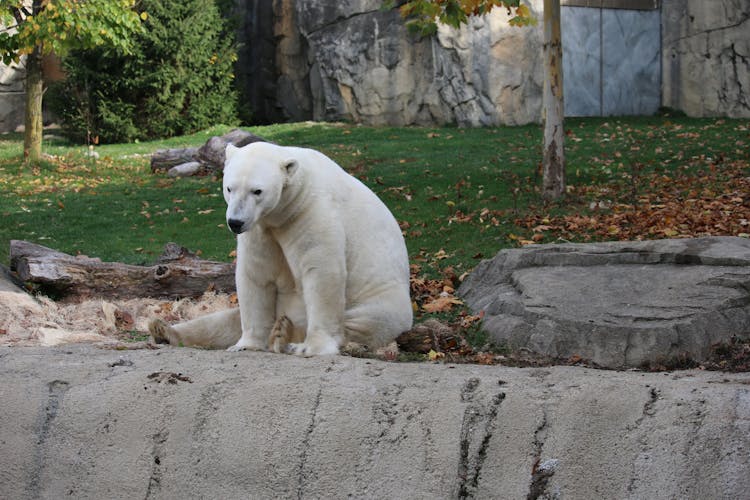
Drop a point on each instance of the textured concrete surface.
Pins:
(618, 303)
(83, 422)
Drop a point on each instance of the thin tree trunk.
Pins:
(553, 162)
(32, 139)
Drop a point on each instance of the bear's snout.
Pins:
(235, 225)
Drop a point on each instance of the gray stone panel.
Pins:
(582, 40)
(630, 52)
(611, 61)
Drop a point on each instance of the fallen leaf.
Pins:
(441, 304)
(434, 355)
(485, 358)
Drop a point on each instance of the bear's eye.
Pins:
(257, 192)
(229, 190)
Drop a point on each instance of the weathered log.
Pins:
(213, 152)
(164, 159)
(211, 155)
(177, 274)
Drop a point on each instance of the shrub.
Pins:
(179, 79)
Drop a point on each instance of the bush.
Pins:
(179, 79)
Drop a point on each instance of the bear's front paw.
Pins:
(329, 346)
(247, 345)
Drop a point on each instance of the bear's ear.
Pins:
(229, 152)
(290, 168)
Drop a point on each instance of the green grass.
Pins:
(114, 208)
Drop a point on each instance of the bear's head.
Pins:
(254, 180)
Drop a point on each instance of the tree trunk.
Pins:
(553, 162)
(32, 139)
(177, 274)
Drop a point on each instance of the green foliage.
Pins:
(424, 15)
(62, 25)
(177, 79)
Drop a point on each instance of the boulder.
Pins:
(618, 304)
(83, 422)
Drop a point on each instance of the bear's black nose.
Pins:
(235, 225)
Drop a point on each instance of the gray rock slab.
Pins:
(84, 422)
(618, 304)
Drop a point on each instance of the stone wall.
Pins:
(706, 57)
(12, 96)
(350, 60)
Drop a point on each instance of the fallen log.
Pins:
(164, 159)
(212, 153)
(177, 274)
(210, 156)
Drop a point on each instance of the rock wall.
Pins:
(351, 60)
(11, 97)
(256, 66)
(706, 57)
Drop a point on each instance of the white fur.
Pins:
(315, 245)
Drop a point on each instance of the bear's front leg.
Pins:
(257, 314)
(324, 292)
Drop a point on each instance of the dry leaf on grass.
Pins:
(441, 304)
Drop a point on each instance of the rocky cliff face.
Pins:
(350, 60)
(706, 57)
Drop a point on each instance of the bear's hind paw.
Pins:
(281, 334)
(159, 331)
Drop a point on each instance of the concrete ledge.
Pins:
(83, 422)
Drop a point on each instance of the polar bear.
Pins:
(316, 250)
